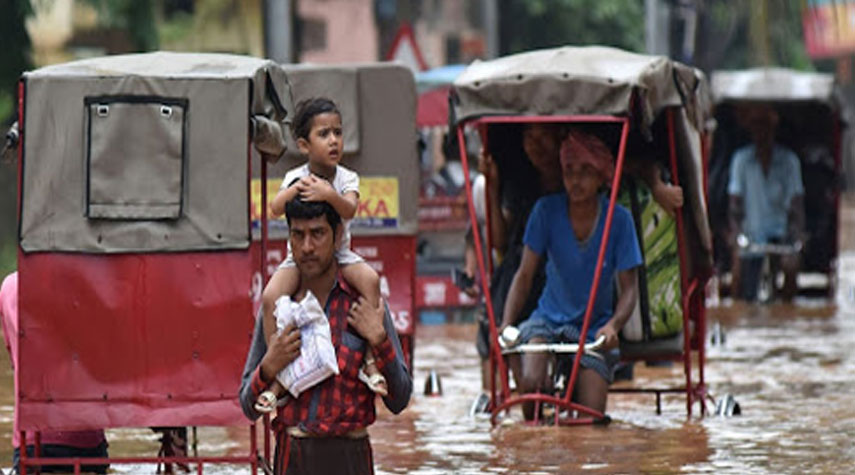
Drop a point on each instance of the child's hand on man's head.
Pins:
(313, 188)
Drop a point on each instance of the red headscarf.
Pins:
(587, 148)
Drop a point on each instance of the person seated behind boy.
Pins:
(317, 129)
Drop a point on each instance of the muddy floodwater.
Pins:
(790, 367)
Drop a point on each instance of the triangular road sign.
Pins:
(406, 51)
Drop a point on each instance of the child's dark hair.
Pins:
(299, 209)
(307, 109)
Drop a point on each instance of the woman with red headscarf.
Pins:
(565, 230)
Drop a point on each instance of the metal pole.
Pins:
(656, 27)
(491, 28)
(278, 27)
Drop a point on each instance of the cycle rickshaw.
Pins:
(811, 112)
(142, 245)
(652, 106)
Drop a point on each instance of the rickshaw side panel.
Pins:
(132, 340)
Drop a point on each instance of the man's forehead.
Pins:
(310, 224)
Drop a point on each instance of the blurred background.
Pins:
(435, 38)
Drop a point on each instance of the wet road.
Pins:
(790, 368)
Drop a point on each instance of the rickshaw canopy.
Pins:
(141, 152)
(580, 80)
(775, 85)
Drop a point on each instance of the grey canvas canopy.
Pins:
(775, 85)
(580, 80)
(595, 80)
(148, 152)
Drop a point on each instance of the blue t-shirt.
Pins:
(766, 196)
(570, 265)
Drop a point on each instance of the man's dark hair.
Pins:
(306, 111)
(299, 209)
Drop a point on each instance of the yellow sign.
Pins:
(378, 198)
(255, 195)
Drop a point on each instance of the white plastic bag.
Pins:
(317, 360)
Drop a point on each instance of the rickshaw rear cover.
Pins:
(134, 228)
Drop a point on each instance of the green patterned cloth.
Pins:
(658, 234)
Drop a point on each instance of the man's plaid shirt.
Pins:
(341, 403)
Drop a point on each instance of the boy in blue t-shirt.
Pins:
(566, 229)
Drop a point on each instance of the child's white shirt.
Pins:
(345, 180)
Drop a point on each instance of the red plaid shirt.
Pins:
(341, 403)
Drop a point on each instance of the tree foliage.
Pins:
(14, 60)
(736, 34)
(134, 16)
(730, 34)
(532, 24)
(15, 53)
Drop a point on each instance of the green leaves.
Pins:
(134, 16)
(532, 24)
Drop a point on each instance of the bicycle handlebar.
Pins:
(748, 247)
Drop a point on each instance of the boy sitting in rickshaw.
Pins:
(566, 230)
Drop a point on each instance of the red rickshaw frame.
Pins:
(692, 290)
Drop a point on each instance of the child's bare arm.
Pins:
(669, 197)
(318, 189)
(347, 209)
(277, 206)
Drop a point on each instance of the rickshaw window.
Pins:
(135, 157)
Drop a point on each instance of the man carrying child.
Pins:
(323, 430)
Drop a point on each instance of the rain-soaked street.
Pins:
(789, 367)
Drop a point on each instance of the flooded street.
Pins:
(789, 367)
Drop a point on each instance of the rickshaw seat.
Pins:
(660, 348)
(638, 337)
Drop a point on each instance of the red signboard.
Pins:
(443, 213)
(440, 292)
